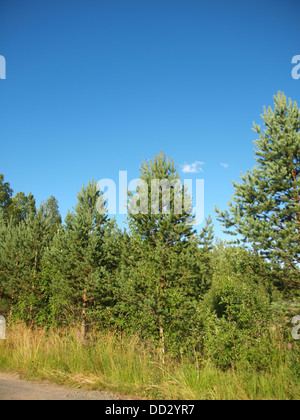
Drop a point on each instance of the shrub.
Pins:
(239, 326)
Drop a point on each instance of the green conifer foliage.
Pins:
(5, 196)
(49, 209)
(163, 208)
(162, 274)
(22, 251)
(77, 261)
(21, 206)
(266, 204)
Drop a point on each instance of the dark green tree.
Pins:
(160, 209)
(265, 211)
(22, 251)
(78, 262)
(5, 196)
(21, 206)
(162, 273)
(49, 209)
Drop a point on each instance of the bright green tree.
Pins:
(265, 211)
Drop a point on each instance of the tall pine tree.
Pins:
(265, 210)
(5, 196)
(22, 251)
(162, 274)
(77, 261)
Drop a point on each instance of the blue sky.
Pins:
(94, 87)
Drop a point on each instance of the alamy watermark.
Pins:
(2, 327)
(2, 67)
(160, 196)
(296, 69)
(295, 334)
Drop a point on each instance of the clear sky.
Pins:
(94, 87)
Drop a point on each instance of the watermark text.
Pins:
(158, 196)
(295, 333)
(2, 67)
(296, 69)
(2, 327)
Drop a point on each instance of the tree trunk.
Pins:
(161, 341)
(160, 322)
(83, 317)
(11, 303)
(83, 313)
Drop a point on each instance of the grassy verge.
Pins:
(124, 365)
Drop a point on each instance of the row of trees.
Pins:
(148, 280)
(161, 279)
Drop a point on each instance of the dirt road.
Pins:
(14, 388)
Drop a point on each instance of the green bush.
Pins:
(239, 327)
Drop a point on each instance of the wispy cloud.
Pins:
(190, 168)
(225, 165)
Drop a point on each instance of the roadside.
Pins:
(14, 388)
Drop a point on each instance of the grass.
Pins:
(125, 365)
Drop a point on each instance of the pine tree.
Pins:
(22, 251)
(77, 260)
(49, 209)
(5, 196)
(21, 206)
(265, 210)
(160, 209)
(17, 207)
(162, 271)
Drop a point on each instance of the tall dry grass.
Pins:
(107, 361)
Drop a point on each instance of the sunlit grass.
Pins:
(108, 361)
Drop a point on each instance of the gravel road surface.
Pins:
(14, 388)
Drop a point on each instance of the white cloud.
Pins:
(225, 165)
(190, 168)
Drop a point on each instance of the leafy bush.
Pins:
(239, 326)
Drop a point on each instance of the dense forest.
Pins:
(181, 290)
